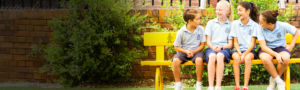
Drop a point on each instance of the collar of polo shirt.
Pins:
(217, 21)
(250, 22)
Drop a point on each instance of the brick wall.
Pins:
(20, 29)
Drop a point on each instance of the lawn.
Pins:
(252, 87)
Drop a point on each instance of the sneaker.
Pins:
(210, 88)
(218, 88)
(272, 84)
(245, 88)
(199, 86)
(236, 88)
(281, 86)
(178, 87)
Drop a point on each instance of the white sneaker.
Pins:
(178, 86)
(218, 88)
(199, 86)
(210, 88)
(272, 84)
(281, 86)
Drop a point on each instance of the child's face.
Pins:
(263, 22)
(242, 12)
(196, 21)
(222, 10)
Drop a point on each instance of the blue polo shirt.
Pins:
(218, 32)
(188, 40)
(276, 38)
(244, 33)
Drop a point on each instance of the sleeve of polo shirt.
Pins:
(260, 35)
(290, 28)
(178, 39)
(255, 31)
(208, 29)
(203, 38)
(233, 30)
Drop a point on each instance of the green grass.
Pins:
(252, 87)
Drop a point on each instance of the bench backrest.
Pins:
(161, 39)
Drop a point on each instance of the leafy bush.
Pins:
(97, 42)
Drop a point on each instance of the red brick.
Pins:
(6, 45)
(20, 57)
(19, 51)
(5, 57)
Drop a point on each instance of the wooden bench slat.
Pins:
(162, 63)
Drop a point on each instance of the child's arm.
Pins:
(229, 45)
(252, 45)
(292, 44)
(179, 49)
(208, 42)
(236, 45)
(268, 50)
(199, 48)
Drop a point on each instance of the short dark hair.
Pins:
(270, 16)
(189, 14)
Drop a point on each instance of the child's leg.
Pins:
(268, 64)
(236, 68)
(220, 69)
(281, 68)
(199, 68)
(176, 69)
(248, 59)
(211, 67)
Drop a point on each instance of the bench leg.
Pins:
(161, 78)
(287, 78)
(157, 77)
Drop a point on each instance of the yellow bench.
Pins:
(162, 39)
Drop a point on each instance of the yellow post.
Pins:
(157, 77)
(161, 78)
(287, 79)
(160, 56)
(160, 53)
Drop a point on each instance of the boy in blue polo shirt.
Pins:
(189, 43)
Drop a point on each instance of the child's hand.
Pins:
(289, 47)
(189, 53)
(218, 49)
(279, 58)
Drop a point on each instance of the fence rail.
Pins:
(55, 4)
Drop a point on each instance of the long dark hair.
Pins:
(253, 9)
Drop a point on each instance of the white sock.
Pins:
(199, 83)
(211, 87)
(178, 83)
(278, 80)
(246, 87)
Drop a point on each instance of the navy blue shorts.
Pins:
(252, 51)
(183, 57)
(277, 49)
(225, 52)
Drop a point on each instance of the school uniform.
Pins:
(188, 40)
(276, 39)
(219, 34)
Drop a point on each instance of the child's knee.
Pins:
(176, 62)
(198, 61)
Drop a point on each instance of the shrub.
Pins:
(97, 42)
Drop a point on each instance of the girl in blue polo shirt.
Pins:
(273, 44)
(243, 32)
(219, 44)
